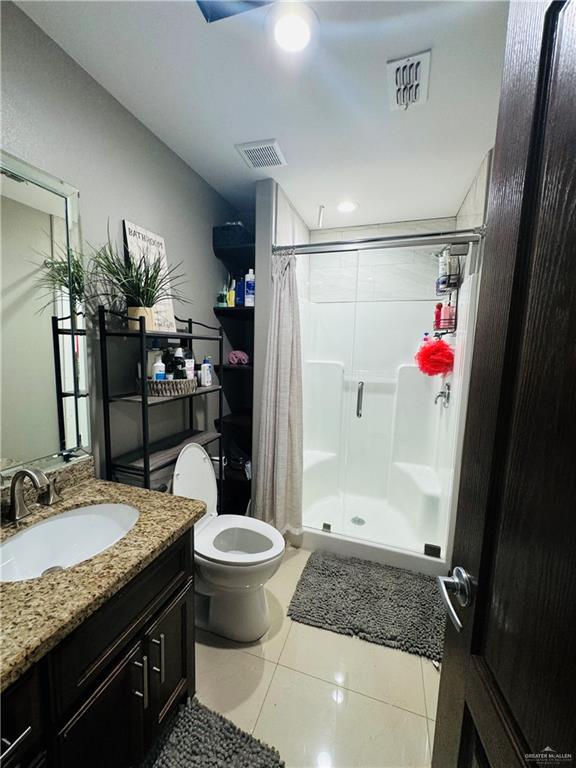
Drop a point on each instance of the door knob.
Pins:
(459, 584)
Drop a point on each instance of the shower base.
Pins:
(385, 535)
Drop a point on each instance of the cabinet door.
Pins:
(108, 729)
(170, 652)
(22, 728)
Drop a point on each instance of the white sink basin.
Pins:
(64, 540)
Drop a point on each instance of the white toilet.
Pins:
(234, 556)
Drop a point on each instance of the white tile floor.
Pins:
(323, 700)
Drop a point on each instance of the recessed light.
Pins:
(292, 32)
(347, 206)
(292, 25)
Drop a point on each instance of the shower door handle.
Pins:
(359, 399)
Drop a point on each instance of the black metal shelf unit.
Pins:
(160, 454)
(236, 426)
(76, 393)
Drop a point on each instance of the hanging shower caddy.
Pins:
(447, 285)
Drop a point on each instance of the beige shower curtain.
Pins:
(278, 497)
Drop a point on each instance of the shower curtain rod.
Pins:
(433, 238)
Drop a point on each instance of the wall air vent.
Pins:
(261, 154)
(408, 80)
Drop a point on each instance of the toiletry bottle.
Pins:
(231, 293)
(445, 316)
(437, 313)
(443, 263)
(451, 314)
(189, 367)
(205, 373)
(159, 370)
(222, 300)
(152, 355)
(179, 364)
(249, 288)
(168, 360)
(239, 298)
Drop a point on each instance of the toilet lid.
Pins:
(194, 477)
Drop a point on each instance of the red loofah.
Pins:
(435, 357)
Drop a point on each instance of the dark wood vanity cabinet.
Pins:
(105, 692)
(108, 729)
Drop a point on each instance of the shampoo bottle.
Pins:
(231, 294)
(240, 288)
(437, 313)
(206, 373)
(249, 288)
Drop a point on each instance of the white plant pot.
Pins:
(134, 313)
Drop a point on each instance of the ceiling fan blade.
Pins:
(214, 10)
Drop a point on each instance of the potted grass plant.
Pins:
(142, 280)
(63, 273)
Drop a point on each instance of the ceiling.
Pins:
(202, 88)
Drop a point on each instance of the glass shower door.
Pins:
(388, 403)
(327, 289)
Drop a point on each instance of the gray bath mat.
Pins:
(201, 738)
(378, 603)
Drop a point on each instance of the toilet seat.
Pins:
(228, 539)
(238, 540)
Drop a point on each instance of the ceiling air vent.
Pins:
(261, 154)
(408, 80)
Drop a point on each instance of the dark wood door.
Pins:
(108, 729)
(170, 653)
(508, 683)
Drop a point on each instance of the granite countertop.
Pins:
(37, 614)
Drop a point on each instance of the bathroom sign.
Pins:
(141, 242)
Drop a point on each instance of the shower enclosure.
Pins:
(381, 439)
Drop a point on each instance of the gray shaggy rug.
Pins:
(379, 603)
(201, 738)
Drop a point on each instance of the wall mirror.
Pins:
(44, 407)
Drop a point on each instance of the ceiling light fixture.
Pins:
(293, 25)
(347, 206)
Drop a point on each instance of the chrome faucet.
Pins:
(18, 508)
(443, 395)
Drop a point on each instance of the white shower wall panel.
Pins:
(368, 438)
(331, 332)
(387, 336)
(323, 392)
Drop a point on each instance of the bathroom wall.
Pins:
(416, 227)
(57, 118)
(472, 212)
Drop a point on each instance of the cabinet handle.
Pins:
(13, 745)
(144, 693)
(162, 645)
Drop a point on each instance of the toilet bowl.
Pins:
(234, 556)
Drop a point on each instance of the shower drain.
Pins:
(358, 521)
